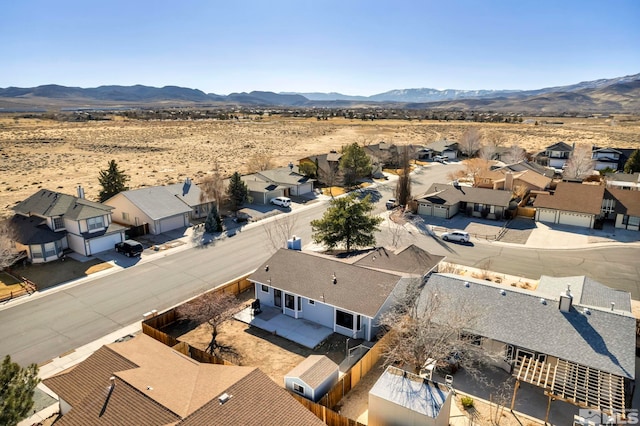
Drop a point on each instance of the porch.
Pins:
(301, 331)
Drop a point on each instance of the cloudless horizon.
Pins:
(352, 47)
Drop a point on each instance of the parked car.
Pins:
(456, 235)
(440, 158)
(281, 201)
(129, 248)
(391, 203)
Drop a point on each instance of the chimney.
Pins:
(80, 191)
(290, 166)
(187, 181)
(294, 243)
(508, 181)
(566, 300)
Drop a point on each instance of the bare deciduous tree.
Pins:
(214, 308)
(331, 176)
(515, 154)
(473, 169)
(580, 164)
(426, 325)
(403, 186)
(212, 188)
(470, 142)
(8, 251)
(487, 152)
(279, 231)
(259, 162)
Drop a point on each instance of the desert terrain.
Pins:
(39, 153)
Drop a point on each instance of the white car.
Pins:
(281, 201)
(460, 236)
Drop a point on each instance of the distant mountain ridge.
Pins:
(620, 94)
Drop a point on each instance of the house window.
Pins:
(289, 301)
(125, 216)
(264, 288)
(477, 207)
(299, 307)
(94, 223)
(312, 302)
(58, 223)
(344, 319)
(49, 249)
(298, 388)
(36, 251)
(634, 220)
(358, 325)
(473, 339)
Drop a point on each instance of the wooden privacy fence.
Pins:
(526, 212)
(355, 374)
(325, 414)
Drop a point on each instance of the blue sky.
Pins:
(350, 46)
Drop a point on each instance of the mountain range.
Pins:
(614, 95)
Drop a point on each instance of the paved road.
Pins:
(64, 319)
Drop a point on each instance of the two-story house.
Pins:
(556, 155)
(48, 223)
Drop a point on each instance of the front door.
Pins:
(277, 298)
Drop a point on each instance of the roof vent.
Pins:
(586, 311)
(334, 279)
(613, 305)
(149, 388)
(466, 284)
(543, 300)
(503, 292)
(266, 268)
(224, 398)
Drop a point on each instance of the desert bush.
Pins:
(467, 402)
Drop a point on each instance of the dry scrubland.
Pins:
(37, 153)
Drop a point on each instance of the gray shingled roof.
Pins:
(410, 260)
(156, 202)
(442, 145)
(585, 291)
(34, 230)
(187, 192)
(623, 177)
(283, 175)
(443, 193)
(559, 146)
(596, 338)
(48, 203)
(314, 370)
(357, 289)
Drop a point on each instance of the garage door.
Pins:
(170, 223)
(302, 189)
(424, 209)
(105, 243)
(441, 211)
(547, 216)
(575, 219)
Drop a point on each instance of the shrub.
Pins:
(466, 401)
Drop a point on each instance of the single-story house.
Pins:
(572, 336)
(506, 180)
(525, 165)
(288, 177)
(261, 191)
(401, 398)
(444, 200)
(143, 382)
(156, 206)
(48, 223)
(313, 377)
(571, 204)
(445, 148)
(191, 195)
(347, 298)
(556, 155)
(628, 181)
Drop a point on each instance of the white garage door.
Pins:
(105, 243)
(424, 209)
(547, 216)
(302, 189)
(171, 223)
(575, 219)
(440, 211)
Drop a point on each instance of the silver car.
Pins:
(456, 235)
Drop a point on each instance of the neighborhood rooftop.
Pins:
(443, 193)
(156, 201)
(48, 203)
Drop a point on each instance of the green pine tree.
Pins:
(355, 163)
(633, 163)
(213, 222)
(17, 386)
(113, 181)
(237, 191)
(348, 221)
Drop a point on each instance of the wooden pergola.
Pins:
(571, 382)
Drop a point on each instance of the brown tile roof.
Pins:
(409, 260)
(311, 276)
(628, 202)
(314, 370)
(156, 385)
(255, 400)
(573, 197)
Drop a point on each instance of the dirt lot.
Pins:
(36, 153)
(250, 346)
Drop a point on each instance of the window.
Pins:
(477, 207)
(473, 339)
(49, 250)
(125, 216)
(94, 223)
(264, 288)
(58, 223)
(298, 388)
(36, 251)
(358, 325)
(289, 301)
(299, 307)
(312, 302)
(344, 319)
